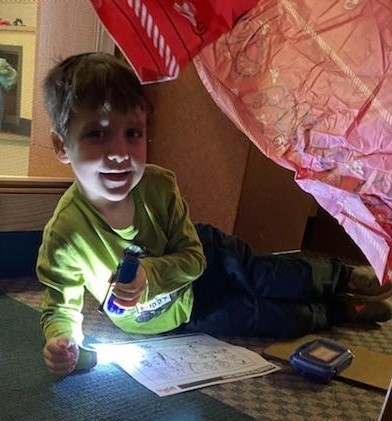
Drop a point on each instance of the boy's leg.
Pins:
(222, 309)
(278, 276)
(229, 302)
(293, 276)
(225, 313)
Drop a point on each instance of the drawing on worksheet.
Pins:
(173, 364)
(190, 358)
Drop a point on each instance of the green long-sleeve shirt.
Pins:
(80, 250)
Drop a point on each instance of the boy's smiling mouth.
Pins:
(116, 175)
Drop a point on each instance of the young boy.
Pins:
(190, 277)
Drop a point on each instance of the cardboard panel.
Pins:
(273, 210)
(368, 367)
(193, 138)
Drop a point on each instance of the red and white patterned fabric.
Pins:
(310, 83)
(159, 37)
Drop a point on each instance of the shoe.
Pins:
(354, 311)
(364, 284)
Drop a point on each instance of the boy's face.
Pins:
(107, 152)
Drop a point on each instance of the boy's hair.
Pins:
(85, 82)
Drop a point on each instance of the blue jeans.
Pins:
(242, 293)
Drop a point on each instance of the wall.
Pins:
(14, 157)
(22, 9)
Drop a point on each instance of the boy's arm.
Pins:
(61, 316)
(63, 300)
(184, 260)
(181, 265)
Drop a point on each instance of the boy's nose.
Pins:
(117, 157)
(119, 150)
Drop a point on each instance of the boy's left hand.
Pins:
(127, 295)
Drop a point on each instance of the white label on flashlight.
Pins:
(154, 304)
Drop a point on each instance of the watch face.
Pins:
(323, 353)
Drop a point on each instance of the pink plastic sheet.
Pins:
(160, 36)
(310, 83)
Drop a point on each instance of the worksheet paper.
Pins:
(173, 364)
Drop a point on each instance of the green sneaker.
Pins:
(364, 284)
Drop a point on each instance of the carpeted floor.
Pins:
(28, 393)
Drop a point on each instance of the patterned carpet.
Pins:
(283, 395)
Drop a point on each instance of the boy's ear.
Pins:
(58, 145)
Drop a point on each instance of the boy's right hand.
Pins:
(61, 355)
(128, 294)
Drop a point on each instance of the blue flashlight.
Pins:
(125, 274)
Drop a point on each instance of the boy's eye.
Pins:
(100, 133)
(134, 133)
